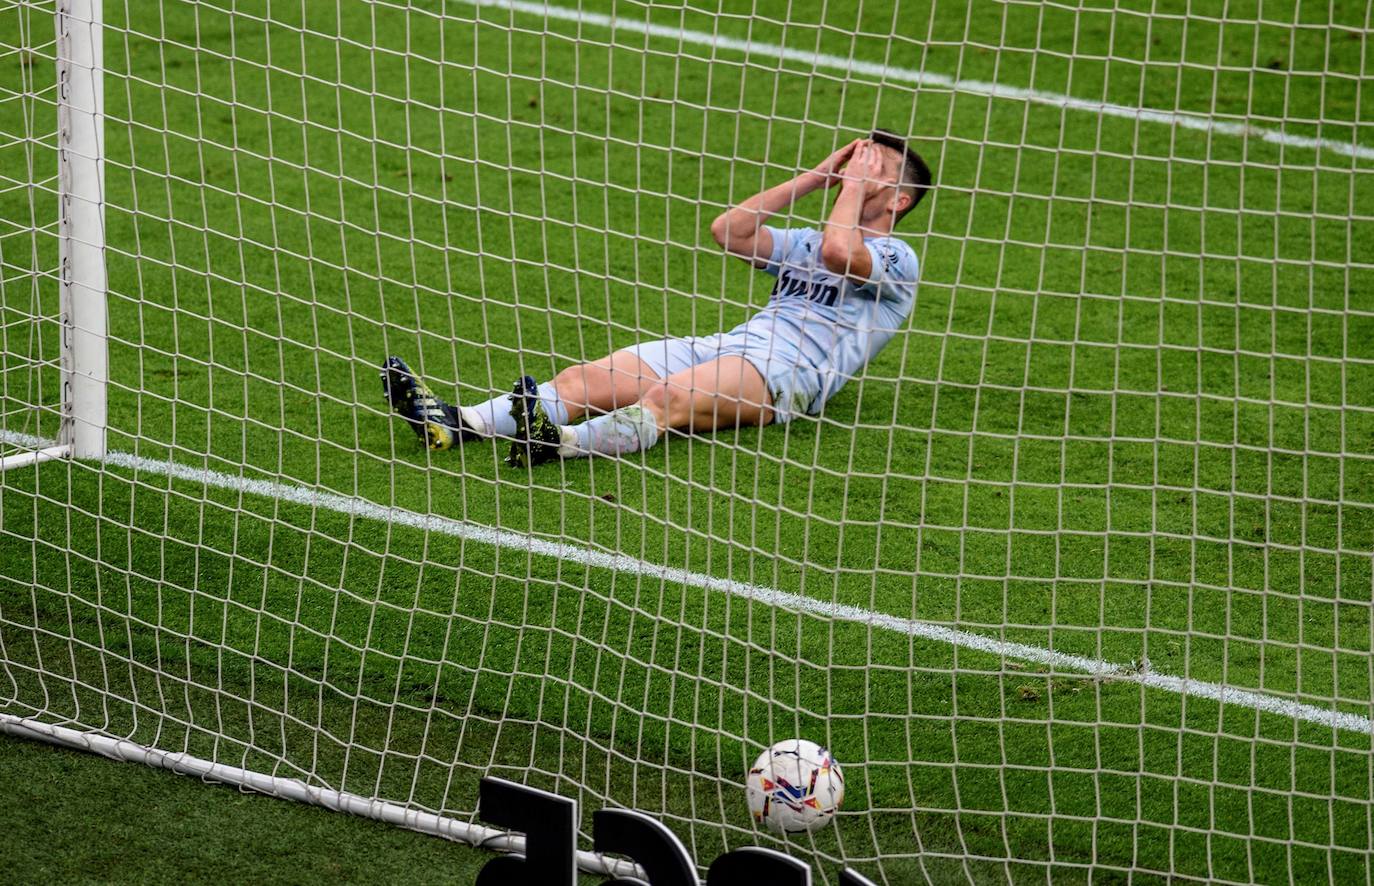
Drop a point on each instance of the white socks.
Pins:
(492, 418)
(630, 429)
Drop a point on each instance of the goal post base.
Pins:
(37, 456)
(127, 751)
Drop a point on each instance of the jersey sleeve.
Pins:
(784, 241)
(895, 269)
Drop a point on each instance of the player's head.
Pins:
(910, 172)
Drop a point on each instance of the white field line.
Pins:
(502, 538)
(890, 73)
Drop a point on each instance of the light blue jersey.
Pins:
(818, 329)
(836, 325)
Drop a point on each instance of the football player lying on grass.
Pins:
(842, 293)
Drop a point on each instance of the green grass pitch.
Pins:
(1132, 418)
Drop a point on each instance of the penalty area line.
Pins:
(892, 73)
(785, 600)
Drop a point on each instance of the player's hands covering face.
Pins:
(866, 171)
(830, 167)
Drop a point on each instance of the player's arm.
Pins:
(740, 231)
(842, 242)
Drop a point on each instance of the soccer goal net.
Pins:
(1073, 578)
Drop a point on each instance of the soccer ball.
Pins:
(795, 786)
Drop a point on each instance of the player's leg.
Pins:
(532, 412)
(609, 383)
(573, 393)
(726, 392)
(538, 414)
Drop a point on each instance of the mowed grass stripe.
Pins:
(923, 78)
(1227, 695)
(487, 535)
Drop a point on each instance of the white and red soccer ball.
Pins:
(795, 786)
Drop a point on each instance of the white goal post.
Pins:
(1074, 579)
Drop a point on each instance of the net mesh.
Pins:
(29, 331)
(1075, 577)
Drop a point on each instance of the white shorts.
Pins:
(795, 386)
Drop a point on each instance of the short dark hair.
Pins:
(915, 176)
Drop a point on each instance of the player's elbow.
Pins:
(836, 256)
(720, 229)
(732, 241)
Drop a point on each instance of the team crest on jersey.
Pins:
(890, 257)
